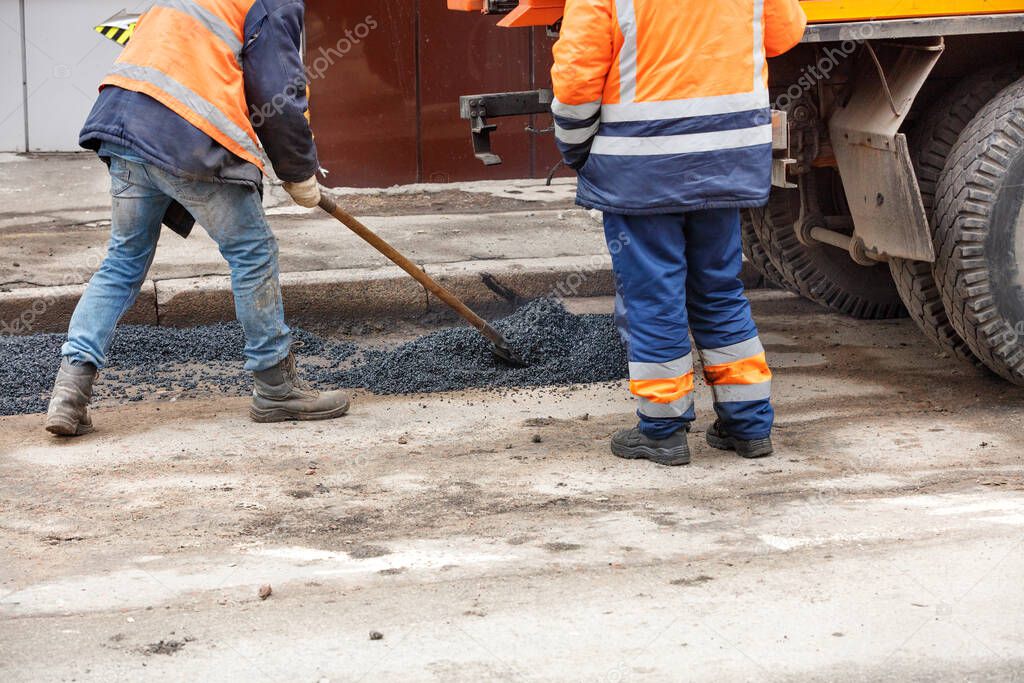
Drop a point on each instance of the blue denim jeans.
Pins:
(231, 214)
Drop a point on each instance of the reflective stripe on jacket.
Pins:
(186, 54)
(663, 106)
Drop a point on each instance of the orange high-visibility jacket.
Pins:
(187, 56)
(662, 105)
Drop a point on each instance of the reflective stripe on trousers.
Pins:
(738, 373)
(665, 390)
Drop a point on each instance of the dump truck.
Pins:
(898, 172)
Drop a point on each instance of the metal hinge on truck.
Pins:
(477, 109)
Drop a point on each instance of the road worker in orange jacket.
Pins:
(180, 120)
(663, 109)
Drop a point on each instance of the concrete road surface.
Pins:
(491, 536)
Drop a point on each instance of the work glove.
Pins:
(305, 193)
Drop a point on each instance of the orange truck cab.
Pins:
(899, 163)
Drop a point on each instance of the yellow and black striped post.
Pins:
(119, 28)
(121, 36)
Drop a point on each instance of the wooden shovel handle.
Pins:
(396, 257)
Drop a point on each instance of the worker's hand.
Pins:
(306, 193)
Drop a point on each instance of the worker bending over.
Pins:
(172, 122)
(663, 109)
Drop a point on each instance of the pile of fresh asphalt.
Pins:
(160, 363)
(559, 347)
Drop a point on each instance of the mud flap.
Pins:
(873, 156)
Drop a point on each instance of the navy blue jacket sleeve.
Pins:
(275, 87)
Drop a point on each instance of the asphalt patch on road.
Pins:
(160, 363)
(166, 647)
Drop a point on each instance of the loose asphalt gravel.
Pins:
(145, 362)
(560, 348)
(160, 363)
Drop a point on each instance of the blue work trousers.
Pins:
(679, 274)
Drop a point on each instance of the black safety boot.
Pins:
(69, 404)
(720, 439)
(632, 444)
(280, 395)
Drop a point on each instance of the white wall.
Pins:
(67, 59)
(12, 116)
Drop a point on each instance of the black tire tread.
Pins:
(916, 284)
(755, 251)
(931, 143)
(774, 224)
(965, 198)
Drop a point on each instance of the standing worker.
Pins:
(663, 109)
(172, 122)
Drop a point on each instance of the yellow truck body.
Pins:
(544, 12)
(820, 11)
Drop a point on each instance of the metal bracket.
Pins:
(781, 160)
(780, 131)
(872, 155)
(477, 109)
(500, 6)
(780, 173)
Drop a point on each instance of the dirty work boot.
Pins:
(632, 444)
(280, 395)
(69, 404)
(720, 439)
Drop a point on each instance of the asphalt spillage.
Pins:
(159, 363)
(27, 372)
(147, 362)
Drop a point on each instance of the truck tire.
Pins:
(756, 253)
(821, 273)
(931, 141)
(979, 234)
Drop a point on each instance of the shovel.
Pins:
(501, 347)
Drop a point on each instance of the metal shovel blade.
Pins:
(504, 353)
